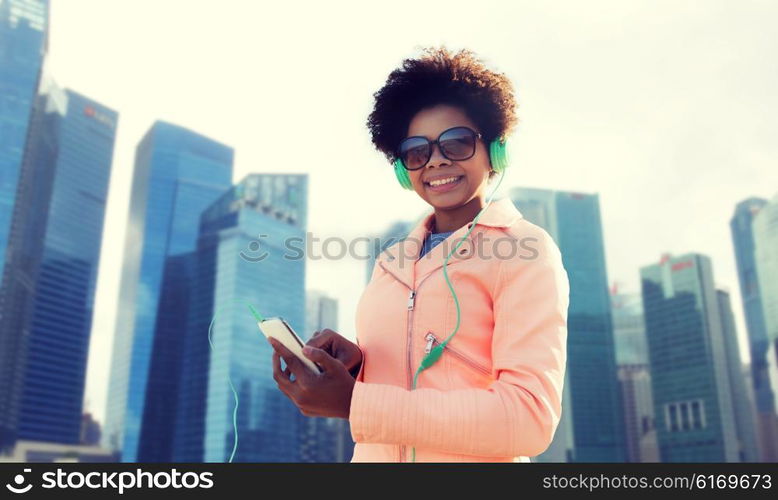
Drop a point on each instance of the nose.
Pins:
(437, 158)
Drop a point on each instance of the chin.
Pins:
(446, 204)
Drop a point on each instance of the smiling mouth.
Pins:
(444, 182)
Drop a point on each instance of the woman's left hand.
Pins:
(327, 394)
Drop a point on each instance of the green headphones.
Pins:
(498, 155)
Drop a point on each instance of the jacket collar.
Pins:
(401, 259)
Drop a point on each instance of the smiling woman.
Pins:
(442, 120)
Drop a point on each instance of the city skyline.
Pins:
(177, 174)
(692, 125)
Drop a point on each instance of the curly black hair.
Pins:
(440, 77)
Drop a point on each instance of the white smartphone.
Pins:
(280, 330)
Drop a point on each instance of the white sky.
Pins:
(666, 108)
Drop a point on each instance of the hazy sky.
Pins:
(667, 109)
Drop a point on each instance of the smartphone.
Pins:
(280, 330)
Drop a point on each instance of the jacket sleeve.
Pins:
(360, 376)
(518, 413)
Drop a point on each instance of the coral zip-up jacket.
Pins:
(496, 393)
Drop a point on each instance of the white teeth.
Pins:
(440, 182)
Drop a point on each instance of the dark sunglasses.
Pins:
(456, 144)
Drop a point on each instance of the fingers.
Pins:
(322, 339)
(327, 362)
(321, 342)
(292, 362)
(282, 376)
(278, 374)
(325, 331)
(277, 366)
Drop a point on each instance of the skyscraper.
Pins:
(742, 229)
(178, 173)
(765, 253)
(23, 29)
(250, 251)
(23, 34)
(592, 425)
(157, 428)
(765, 228)
(591, 428)
(689, 368)
(52, 260)
(634, 377)
(742, 394)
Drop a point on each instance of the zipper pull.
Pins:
(430, 340)
(411, 299)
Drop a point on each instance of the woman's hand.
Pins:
(326, 394)
(339, 348)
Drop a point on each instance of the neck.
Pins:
(452, 219)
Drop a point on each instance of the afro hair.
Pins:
(440, 77)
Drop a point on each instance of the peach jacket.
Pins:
(496, 393)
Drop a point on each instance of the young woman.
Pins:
(476, 376)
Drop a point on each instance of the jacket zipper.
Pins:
(432, 340)
(411, 300)
(411, 303)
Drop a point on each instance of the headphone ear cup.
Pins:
(402, 174)
(498, 154)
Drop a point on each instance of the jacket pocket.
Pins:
(432, 340)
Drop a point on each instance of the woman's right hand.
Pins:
(339, 348)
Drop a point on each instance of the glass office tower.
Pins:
(52, 261)
(178, 173)
(765, 254)
(765, 230)
(742, 393)
(23, 28)
(743, 242)
(591, 428)
(742, 229)
(155, 443)
(23, 32)
(251, 250)
(689, 368)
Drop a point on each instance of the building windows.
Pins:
(684, 415)
(684, 408)
(696, 415)
(672, 416)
